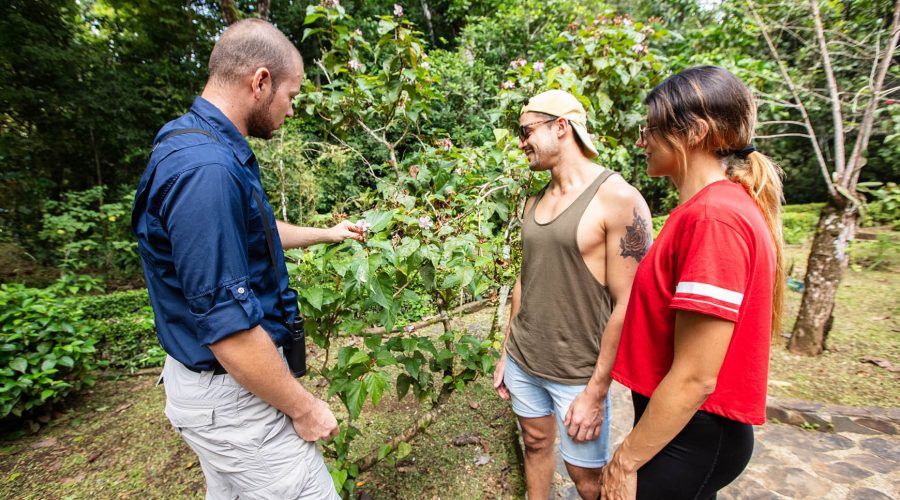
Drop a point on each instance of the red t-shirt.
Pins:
(714, 256)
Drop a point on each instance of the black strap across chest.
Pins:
(270, 239)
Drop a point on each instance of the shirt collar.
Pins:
(214, 117)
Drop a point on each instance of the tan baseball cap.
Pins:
(564, 105)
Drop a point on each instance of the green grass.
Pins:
(866, 324)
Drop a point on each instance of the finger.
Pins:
(573, 430)
(583, 434)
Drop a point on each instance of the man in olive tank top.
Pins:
(582, 239)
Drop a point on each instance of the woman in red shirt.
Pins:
(706, 297)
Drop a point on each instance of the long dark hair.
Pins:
(677, 109)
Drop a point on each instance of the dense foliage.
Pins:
(47, 349)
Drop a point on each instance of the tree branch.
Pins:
(823, 166)
(836, 115)
(230, 12)
(776, 136)
(865, 129)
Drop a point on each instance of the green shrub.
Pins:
(122, 324)
(885, 205)
(88, 232)
(46, 347)
(799, 222)
(881, 254)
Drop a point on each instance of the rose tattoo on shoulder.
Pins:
(637, 238)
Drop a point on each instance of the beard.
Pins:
(542, 158)
(260, 123)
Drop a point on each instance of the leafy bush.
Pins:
(46, 348)
(87, 233)
(122, 324)
(885, 205)
(881, 254)
(799, 222)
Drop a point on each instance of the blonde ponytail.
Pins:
(762, 179)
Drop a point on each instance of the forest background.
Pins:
(406, 119)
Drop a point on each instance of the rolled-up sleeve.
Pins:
(205, 216)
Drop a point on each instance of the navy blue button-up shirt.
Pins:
(202, 242)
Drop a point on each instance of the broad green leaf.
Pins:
(403, 383)
(356, 397)
(357, 358)
(376, 383)
(339, 476)
(403, 450)
(314, 296)
(19, 364)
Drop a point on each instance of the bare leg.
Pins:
(587, 481)
(539, 436)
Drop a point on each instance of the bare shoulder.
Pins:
(621, 201)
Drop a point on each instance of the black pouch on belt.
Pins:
(295, 351)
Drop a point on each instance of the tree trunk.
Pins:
(230, 12)
(824, 270)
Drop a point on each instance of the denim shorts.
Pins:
(534, 397)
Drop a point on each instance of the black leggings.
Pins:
(709, 453)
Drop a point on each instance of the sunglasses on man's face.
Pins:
(526, 130)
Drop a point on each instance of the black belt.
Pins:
(216, 368)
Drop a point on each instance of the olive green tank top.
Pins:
(563, 309)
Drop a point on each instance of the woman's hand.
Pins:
(616, 481)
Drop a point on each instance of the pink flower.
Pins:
(639, 48)
(508, 84)
(333, 4)
(409, 328)
(358, 32)
(425, 64)
(364, 226)
(354, 65)
(446, 144)
(398, 10)
(538, 66)
(518, 63)
(425, 222)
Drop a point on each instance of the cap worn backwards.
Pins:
(562, 104)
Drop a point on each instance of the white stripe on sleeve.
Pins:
(710, 291)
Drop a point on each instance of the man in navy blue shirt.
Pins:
(222, 312)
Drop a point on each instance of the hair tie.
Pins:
(745, 152)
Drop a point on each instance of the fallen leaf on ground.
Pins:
(466, 439)
(882, 363)
(46, 443)
(474, 405)
(123, 407)
(481, 458)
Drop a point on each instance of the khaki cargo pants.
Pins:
(247, 448)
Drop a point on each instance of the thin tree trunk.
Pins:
(427, 12)
(263, 8)
(230, 12)
(97, 163)
(824, 270)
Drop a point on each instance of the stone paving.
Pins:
(790, 462)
